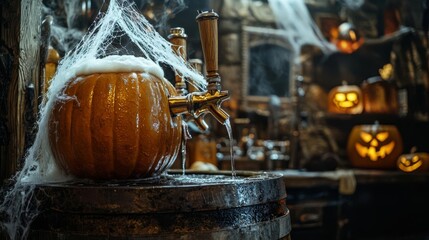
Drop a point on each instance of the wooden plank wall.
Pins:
(19, 70)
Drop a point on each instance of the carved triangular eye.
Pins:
(366, 137)
(382, 136)
(415, 159)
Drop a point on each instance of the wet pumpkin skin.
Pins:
(119, 126)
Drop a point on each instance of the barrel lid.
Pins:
(195, 191)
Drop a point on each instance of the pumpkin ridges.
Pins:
(92, 164)
(125, 148)
(134, 116)
(101, 122)
(162, 141)
(177, 147)
(65, 139)
(137, 122)
(146, 156)
(171, 147)
(164, 128)
(81, 127)
(176, 123)
(114, 142)
(140, 164)
(156, 140)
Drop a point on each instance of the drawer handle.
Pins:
(309, 217)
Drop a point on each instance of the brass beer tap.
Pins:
(177, 38)
(197, 104)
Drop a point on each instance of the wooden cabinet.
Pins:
(383, 205)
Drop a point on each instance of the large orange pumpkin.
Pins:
(374, 146)
(118, 126)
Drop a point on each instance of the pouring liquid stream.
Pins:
(229, 130)
(185, 137)
(183, 156)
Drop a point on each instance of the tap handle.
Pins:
(177, 39)
(196, 64)
(207, 24)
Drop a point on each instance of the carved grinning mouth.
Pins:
(409, 166)
(372, 153)
(346, 104)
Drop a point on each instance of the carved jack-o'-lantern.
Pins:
(345, 99)
(374, 146)
(413, 162)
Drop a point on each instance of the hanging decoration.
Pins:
(347, 39)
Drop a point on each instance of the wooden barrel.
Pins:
(195, 206)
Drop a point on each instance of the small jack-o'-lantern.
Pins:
(414, 161)
(374, 146)
(345, 99)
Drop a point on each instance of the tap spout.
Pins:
(197, 104)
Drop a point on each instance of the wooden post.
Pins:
(19, 58)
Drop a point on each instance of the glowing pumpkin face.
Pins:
(374, 146)
(413, 162)
(345, 99)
